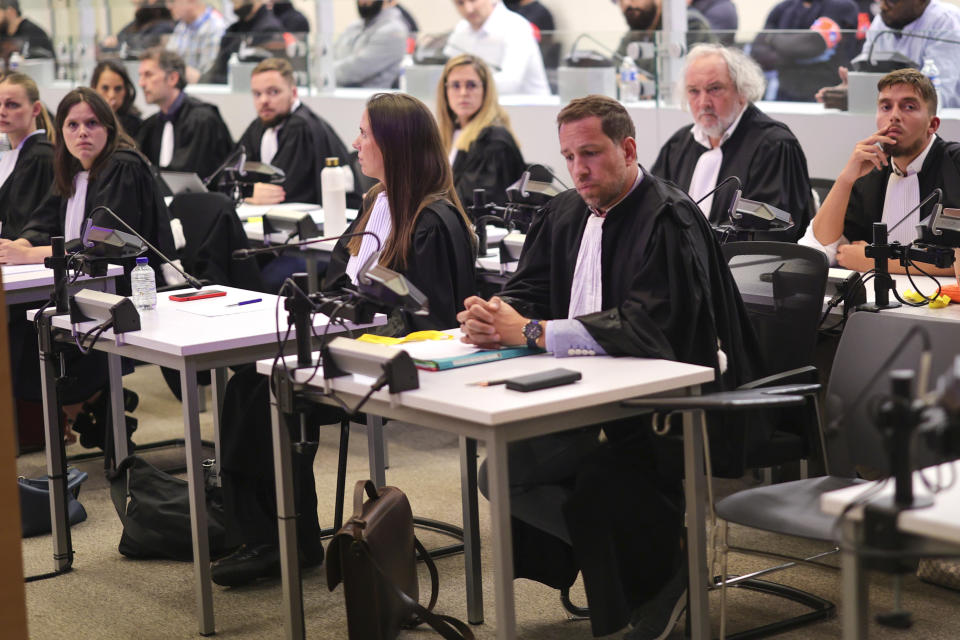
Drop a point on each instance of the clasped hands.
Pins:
(491, 323)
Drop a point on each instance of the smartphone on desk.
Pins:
(198, 295)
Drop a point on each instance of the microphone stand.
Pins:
(243, 254)
(193, 282)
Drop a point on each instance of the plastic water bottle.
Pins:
(931, 70)
(629, 80)
(404, 66)
(333, 187)
(15, 61)
(143, 283)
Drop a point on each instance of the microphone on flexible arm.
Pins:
(732, 210)
(903, 34)
(234, 161)
(573, 48)
(193, 282)
(936, 208)
(243, 254)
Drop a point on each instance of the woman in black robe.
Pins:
(112, 82)
(95, 164)
(26, 171)
(424, 234)
(476, 131)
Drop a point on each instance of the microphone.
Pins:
(901, 34)
(573, 48)
(243, 254)
(240, 153)
(196, 284)
(936, 209)
(732, 209)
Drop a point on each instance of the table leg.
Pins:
(287, 525)
(49, 363)
(694, 492)
(219, 382)
(198, 502)
(854, 585)
(117, 413)
(502, 537)
(375, 450)
(471, 529)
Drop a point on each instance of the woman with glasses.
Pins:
(476, 131)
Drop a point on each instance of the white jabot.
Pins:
(453, 145)
(708, 164)
(903, 194)
(166, 145)
(8, 159)
(76, 206)
(586, 291)
(270, 143)
(380, 224)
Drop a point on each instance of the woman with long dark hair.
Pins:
(95, 164)
(111, 81)
(476, 130)
(26, 171)
(414, 211)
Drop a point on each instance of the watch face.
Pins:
(532, 330)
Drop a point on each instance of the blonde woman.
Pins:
(476, 131)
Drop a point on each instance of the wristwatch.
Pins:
(532, 331)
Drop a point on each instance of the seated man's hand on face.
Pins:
(491, 324)
(851, 256)
(266, 193)
(18, 251)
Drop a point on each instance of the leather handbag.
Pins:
(374, 554)
(35, 502)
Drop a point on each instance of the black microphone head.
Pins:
(479, 198)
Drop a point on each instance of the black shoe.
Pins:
(656, 618)
(247, 564)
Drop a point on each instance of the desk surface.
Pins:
(178, 329)
(26, 276)
(605, 380)
(940, 521)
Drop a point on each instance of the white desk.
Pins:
(938, 524)
(498, 416)
(34, 282)
(174, 335)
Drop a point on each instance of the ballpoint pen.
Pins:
(243, 302)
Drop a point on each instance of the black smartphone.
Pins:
(543, 380)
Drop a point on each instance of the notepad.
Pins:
(439, 355)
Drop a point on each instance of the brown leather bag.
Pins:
(374, 554)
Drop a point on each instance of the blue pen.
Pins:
(240, 304)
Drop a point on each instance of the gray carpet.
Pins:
(108, 596)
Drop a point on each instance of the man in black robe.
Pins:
(256, 26)
(602, 272)
(288, 135)
(884, 184)
(187, 134)
(731, 137)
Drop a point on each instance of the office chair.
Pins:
(871, 345)
(782, 285)
(820, 187)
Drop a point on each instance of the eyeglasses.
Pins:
(469, 85)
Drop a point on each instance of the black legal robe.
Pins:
(492, 163)
(125, 185)
(201, 140)
(304, 143)
(762, 152)
(131, 123)
(667, 293)
(940, 170)
(439, 264)
(27, 186)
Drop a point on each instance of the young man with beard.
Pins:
(888, 174)
(369, 51)
(730, 136)
(187, 134)
(288, 135)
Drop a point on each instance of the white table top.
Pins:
(176, 328)
(25, 276)
(940, 521)
(605, 379)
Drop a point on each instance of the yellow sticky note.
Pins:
(416, 336)
(939, 302)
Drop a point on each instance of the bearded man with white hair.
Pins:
(730, 136)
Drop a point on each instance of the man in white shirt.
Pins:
(506, 43)
(888, 174)
(730, 136)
